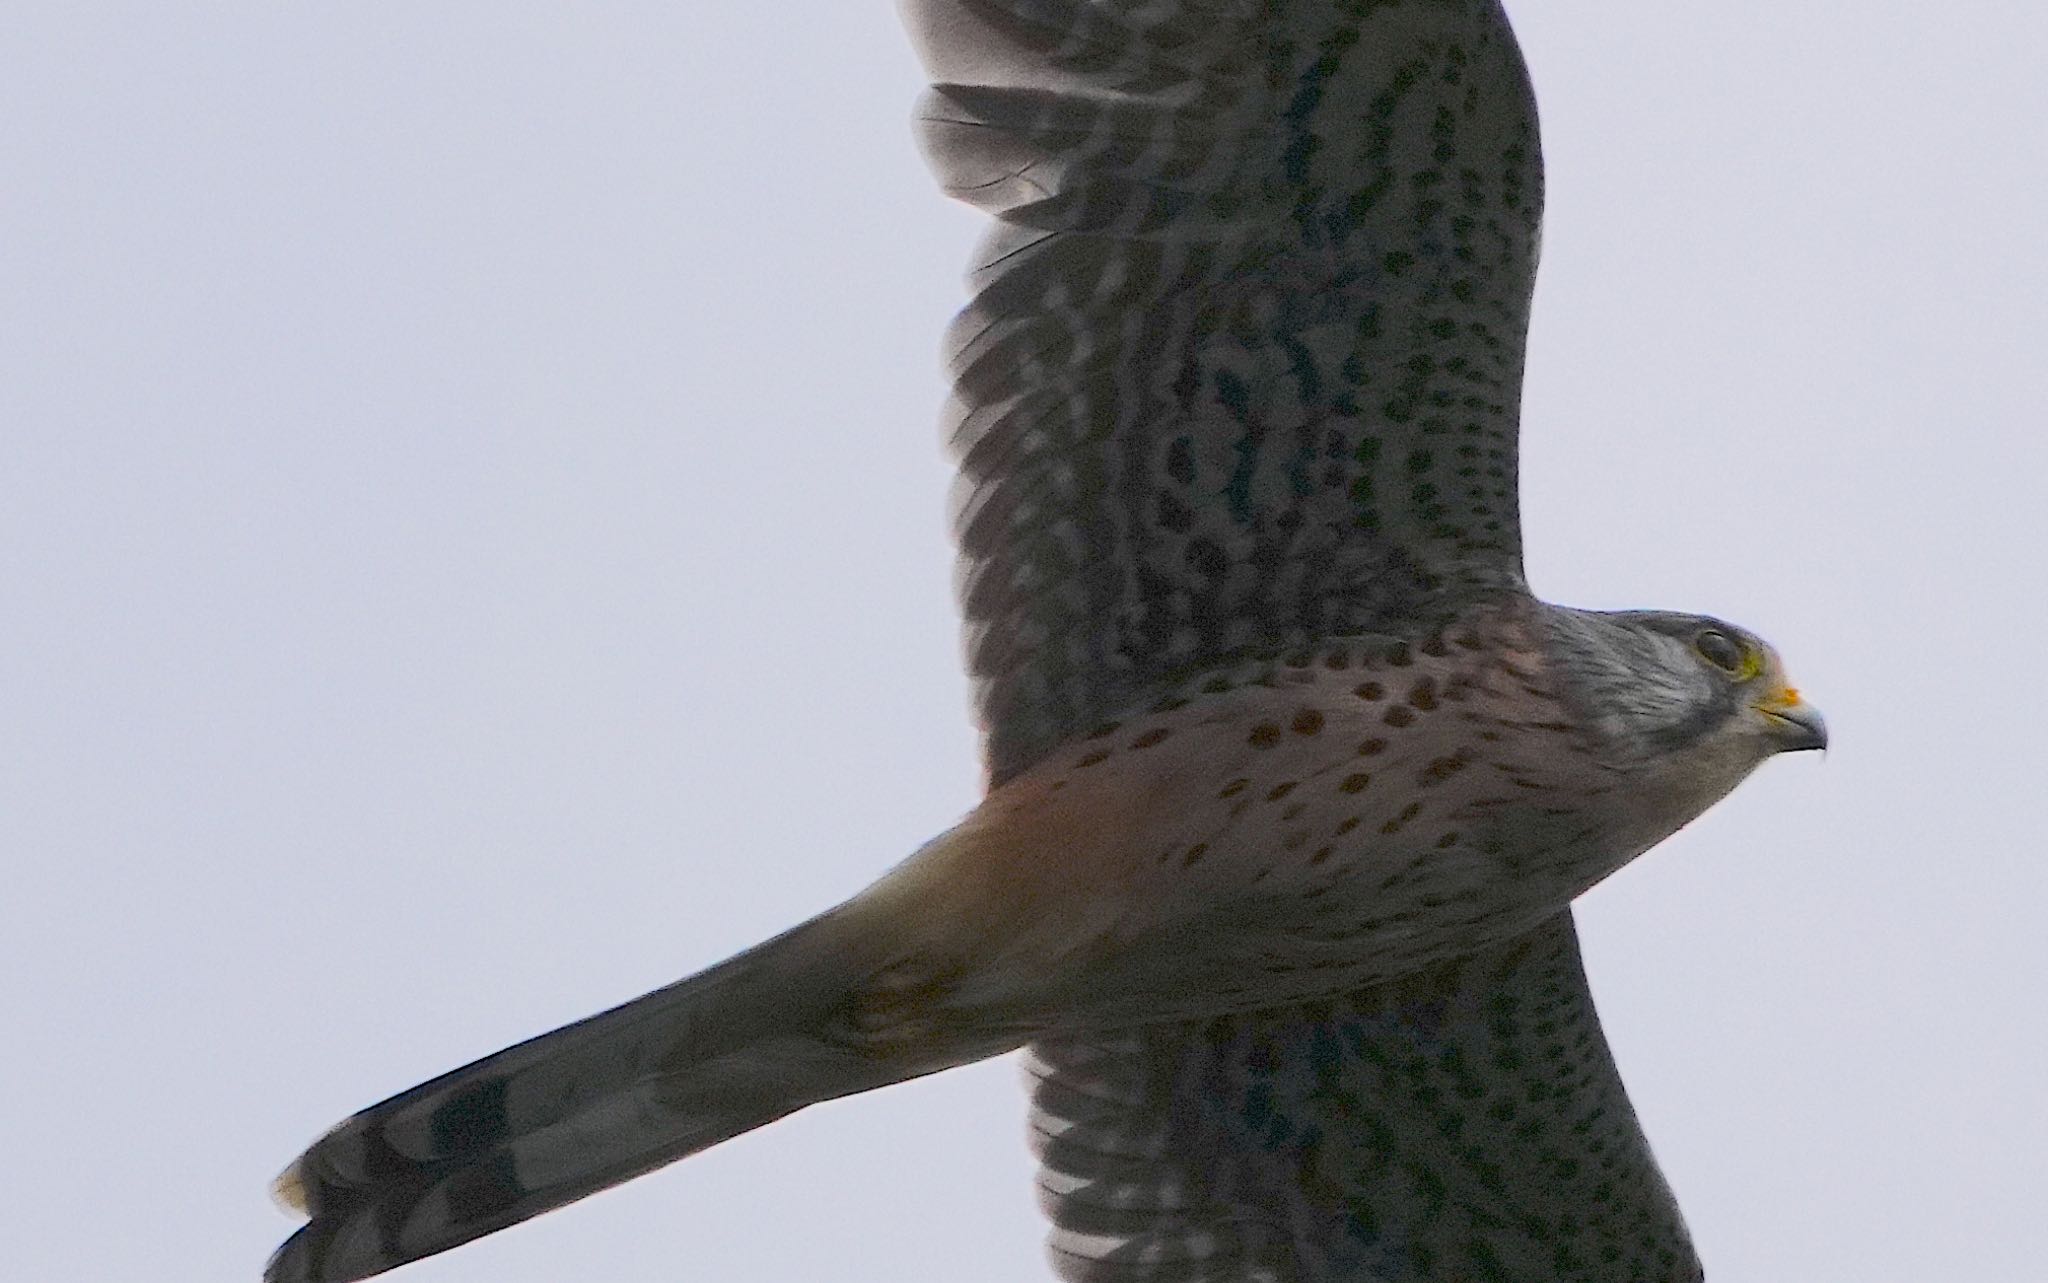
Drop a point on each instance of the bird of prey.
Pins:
(1291, 781)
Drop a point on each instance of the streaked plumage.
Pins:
(1291, 781)
(1245, 362)
(1463, 1123)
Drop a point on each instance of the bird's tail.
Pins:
(803, 1018)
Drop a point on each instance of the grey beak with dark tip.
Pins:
(1799, 726)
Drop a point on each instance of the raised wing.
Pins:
(1467, 1124)
(1244, 363)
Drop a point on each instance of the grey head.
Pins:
(1692, 700)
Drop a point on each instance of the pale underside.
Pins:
(1243, 372)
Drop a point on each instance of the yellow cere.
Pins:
(1784, 697)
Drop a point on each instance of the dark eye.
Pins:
(1721, 650)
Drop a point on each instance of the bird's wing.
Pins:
(1243, 365)
(1466, 1123)
(1243, 370)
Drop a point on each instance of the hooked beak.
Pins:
(1794, 724)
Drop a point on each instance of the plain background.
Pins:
(473, 548)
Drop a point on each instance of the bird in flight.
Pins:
(1291, 780)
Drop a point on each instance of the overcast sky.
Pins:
(473, 549)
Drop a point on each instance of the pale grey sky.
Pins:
(472, 549)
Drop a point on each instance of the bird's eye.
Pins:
(1724, 652)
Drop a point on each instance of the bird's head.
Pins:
(1688, 693)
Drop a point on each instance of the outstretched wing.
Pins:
(1243, 370)
(1467, 1123)
(1243, 366)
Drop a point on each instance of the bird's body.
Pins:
(1305, 824)
(1291, 780)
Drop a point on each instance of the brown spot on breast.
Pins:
(1400, 821)
(1370, 690)
(1194, 855)
(1347, 826)
(1400, 715)
(1093, 759)
(1154, 736)
(1355, 783)
(1446, 841)
(1322, 853)
(1423, 694)
(1372, 748)
(1234, 788)
(1444, 768)
(1264, 735)
(1307, 722)
(1280, 791)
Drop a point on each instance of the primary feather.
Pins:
(1243, 367)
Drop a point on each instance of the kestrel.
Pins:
(1291, 780)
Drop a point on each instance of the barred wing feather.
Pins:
(1243, 366)
(1465, 1124)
